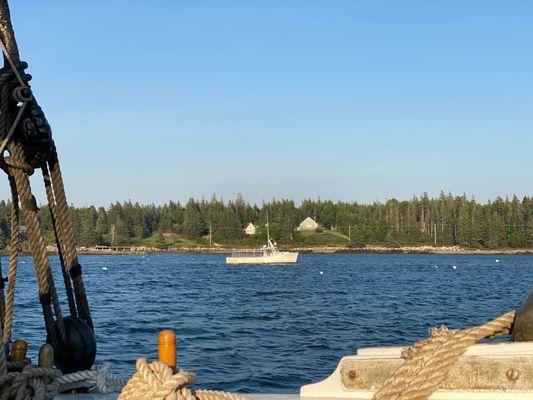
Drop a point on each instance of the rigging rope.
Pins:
(13, 256)
(27, 138)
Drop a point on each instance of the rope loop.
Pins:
(22, 94)
(9, 162)
(30, 127)
(10, 76)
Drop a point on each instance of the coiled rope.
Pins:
(428, 361)
(157, 381)
(29, 382)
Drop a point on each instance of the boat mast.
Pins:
(268, 231)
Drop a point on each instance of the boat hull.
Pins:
(280, 258)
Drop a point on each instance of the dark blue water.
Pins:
(273, 329)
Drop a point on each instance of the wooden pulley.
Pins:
(18, 350)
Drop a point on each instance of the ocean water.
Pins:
(273, 329)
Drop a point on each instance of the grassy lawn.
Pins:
(171, 240)
(305, 238)
(324, 238)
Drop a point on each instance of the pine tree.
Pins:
(193, 226)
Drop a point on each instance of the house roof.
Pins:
(308, 220)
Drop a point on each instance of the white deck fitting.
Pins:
(480, 374)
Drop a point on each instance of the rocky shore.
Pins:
(314, 250)
(101, 250)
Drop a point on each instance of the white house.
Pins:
(307, 224)
(250, 229)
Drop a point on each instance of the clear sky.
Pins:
(351, 100)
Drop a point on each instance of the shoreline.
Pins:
(140, 250)
(313, 250)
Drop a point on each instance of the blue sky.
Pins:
(350, 100)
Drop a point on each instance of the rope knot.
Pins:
(100, 380)
(435, 334)
(102, 374)
(442, 330)
(9, 76)
(158, 381)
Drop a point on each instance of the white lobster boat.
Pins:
(268, 254)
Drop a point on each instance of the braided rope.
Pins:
(59, 239)
(2, 298)
(216, 395)
(30, 145)
(13, 257)
(99, 380)
(3, 361)
(27, 381)
(37, 245)
(429, 361)
(67, 236)
(19, 179)
(158, 381)
(19, 172)
(62, 209)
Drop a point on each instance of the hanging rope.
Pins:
(13, 257)
(26, 144)
(59, 239)
(66, 239)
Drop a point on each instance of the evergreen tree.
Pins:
(193, 225)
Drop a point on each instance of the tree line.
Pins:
(422, 220)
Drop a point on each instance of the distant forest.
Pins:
(445, 220)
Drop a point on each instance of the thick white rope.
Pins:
(29, 383)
